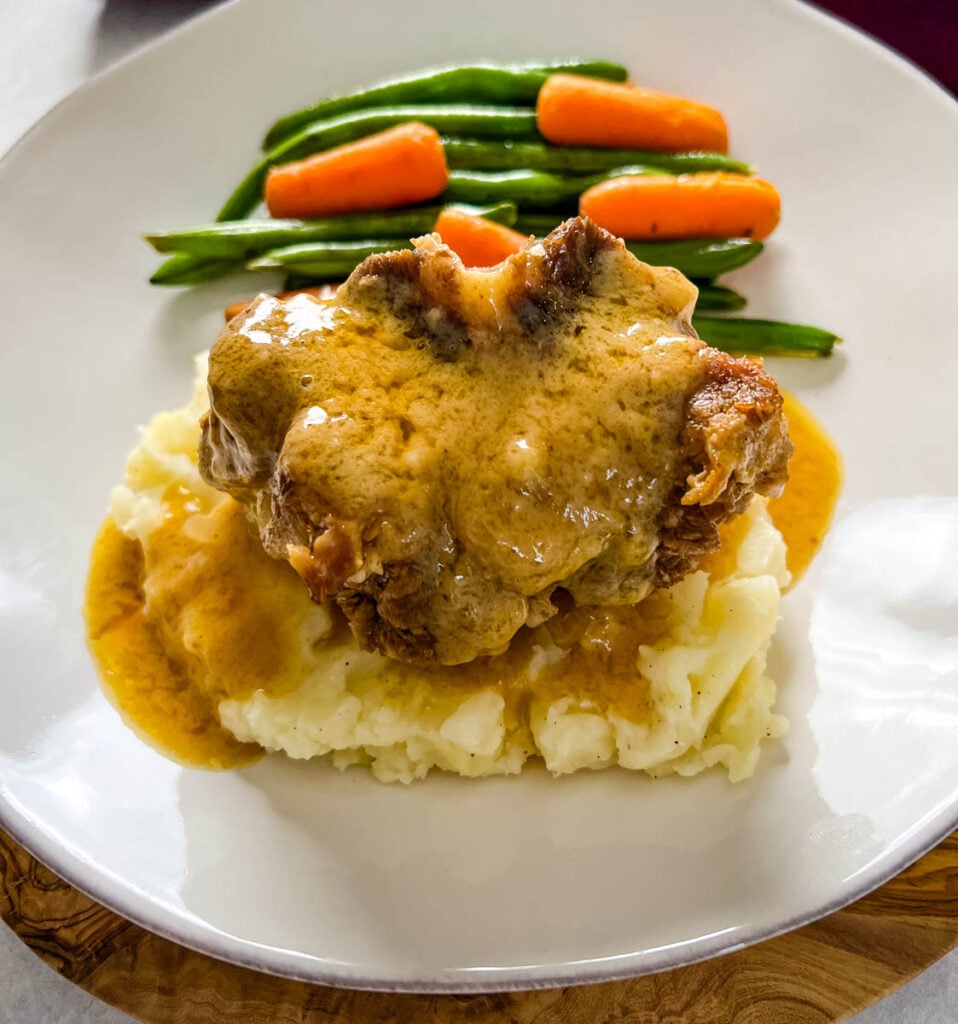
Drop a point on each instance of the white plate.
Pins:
(452, 885)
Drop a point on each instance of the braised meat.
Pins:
(441, 450)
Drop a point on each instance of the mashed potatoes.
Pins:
(676, 684)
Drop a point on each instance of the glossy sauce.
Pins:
(366, 417)
(153, 691)
(225, 619)
(222, 619)
(804, 512)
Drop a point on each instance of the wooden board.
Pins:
(816, 975)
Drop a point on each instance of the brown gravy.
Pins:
(804, 511)
(243, 600)
(152, 690)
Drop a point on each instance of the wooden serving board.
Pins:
(816, 975)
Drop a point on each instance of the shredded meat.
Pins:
(446, 452)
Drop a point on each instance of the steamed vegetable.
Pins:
(576, 111)
(479, 121)
(394, 168)
(715, 298)
(528, 189)
(689, 206)
(185, 269)
(479, 83)
(210, 251)
(241, 239)
(326, 260)
(342, 179)
(506, 154)
(700, 258)
(764, 337)
(477, 242)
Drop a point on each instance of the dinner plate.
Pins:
(449, 884)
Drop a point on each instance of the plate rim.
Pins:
(302, 967)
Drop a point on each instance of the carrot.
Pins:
(322, 291)
(576, 111)
(476, 241)
(688, 206)
(401, 165)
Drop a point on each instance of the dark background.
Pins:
(924, 31)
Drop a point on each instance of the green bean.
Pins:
(701, 257)
(481, 121)
(528, 189)
(185, 269)
(764, 337)
(241, 239)
(481, 155)
(715, 298)
(481, 83)
(330, 260)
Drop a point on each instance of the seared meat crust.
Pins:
(442, 450)
(736, 445)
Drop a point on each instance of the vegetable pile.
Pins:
(486, 156)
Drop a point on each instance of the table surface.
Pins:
(46, 50)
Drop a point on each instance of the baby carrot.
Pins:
(399, 166)
(476, 241)
(688, 206)
(576, 111)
